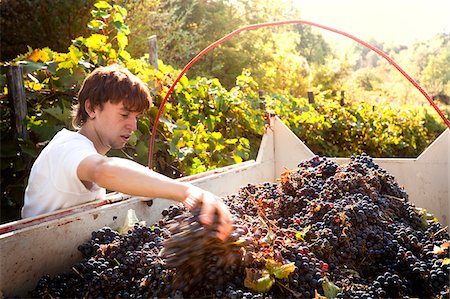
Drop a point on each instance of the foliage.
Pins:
(331, 129)
(184, 28)
(204, 124)
(207, 127)
(427, 62)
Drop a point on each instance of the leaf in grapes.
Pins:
(258, 280)
(330, 289)
(279, 270)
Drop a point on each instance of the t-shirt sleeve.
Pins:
(72, 153)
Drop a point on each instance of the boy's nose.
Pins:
(133, 125)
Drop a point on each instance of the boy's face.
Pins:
(114, 125)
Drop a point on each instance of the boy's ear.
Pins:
(89, 110)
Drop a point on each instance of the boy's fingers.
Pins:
(225, 222)
(208, 210)
(189, 202)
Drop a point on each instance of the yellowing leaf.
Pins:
(445, 261)
(34, 86)
(96, 24)
(34, 56)
(284, 178)
(301, 235)
(96, 41)
(231, 141)
(125, 55)
(237, 159)
(318, 296)
(102, 5)
(122, 40)
(279, 270)
(37, 55)
(441, 249)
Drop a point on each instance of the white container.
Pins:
(47, 244)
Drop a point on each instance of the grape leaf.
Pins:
(330, 289)
(279, 270)
(441, 249)
(301, 234)
(258, 280)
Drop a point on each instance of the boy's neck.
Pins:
(87, 131)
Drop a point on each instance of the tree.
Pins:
(312, 45)
(436, 74)
(41, 23)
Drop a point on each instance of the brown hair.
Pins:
(111, 83)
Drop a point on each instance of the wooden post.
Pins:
(342, 100)
(17, 99)
(262, 104)
(152, 49)
(310, 97)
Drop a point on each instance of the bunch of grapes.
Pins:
(202, 263)
(323, 229)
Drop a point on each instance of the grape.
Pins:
(347, 229)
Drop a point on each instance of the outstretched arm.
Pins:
(132, 178)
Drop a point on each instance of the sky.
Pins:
(396, 21)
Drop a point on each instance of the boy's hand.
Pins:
(211, 204)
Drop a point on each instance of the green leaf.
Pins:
(30, 66)
(121, 27)
(133, 138)
(61, 115)
(29, 148)
(184, 151)
(330, 289)
(100, 14)
(122, 11)
(219, 102)
(141, 149)
(258, 280)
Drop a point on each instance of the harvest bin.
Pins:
(47, 244)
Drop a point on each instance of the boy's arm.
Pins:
(132, 178)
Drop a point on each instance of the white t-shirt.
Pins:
(53, 183)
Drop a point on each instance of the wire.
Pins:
(277, 23)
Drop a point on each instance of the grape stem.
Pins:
(296, 294)
(440, 231)
(264, 219)
(76, 271)
(393, 197)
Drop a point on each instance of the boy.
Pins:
(73, 169)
